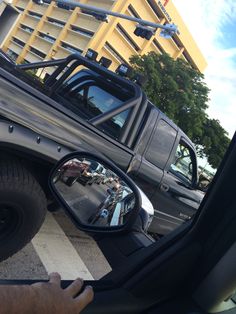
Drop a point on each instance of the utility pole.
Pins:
(144, 28)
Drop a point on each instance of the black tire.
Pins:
(22, 207)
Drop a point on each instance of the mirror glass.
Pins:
(95, 194)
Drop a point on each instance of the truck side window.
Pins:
(90, 100)
(182, 166)
(161, 144)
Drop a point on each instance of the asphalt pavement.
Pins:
(82, 200)
(59, 246)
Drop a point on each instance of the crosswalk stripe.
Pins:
(56, 252)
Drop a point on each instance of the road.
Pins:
(58, 246)
(83, 200)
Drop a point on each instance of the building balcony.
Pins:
(15, 47)
(62, 53)
(119, 43)
(32, 57)
(30, 21)
(22, 35)
(103, 4)
(51, 29)
(38, 8)
(60, 14)
(42, 45)
(87, 22)
(78, 40)
(21, 3)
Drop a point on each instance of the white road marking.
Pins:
(57, 253)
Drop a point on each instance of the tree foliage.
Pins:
(181, 93)
(214, 142)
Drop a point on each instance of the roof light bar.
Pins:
(123, 70)
(105, 62)
(91, 54)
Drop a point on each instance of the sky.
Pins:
(213, 26)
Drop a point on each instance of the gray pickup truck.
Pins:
(94, 110)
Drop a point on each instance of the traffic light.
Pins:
(144, 31)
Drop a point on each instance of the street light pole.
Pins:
(168, 29)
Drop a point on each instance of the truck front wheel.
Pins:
(22, 207)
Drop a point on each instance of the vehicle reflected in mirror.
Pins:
(94, 194)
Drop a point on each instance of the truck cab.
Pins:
(163, 161)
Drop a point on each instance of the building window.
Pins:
(20, 9)
(71, 48)
(12, 54)
(35, 15)
(177, 41)
(133, 11)
(158, 46)
(114, 53)
(18, 42)
(27, 28)
(47, 37)
(155, 9)
(82, 31)
(127, 37)
(189, 60)
(56, 22)
(38, 53)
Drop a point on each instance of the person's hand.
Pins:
(51, 298)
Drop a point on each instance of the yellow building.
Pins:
(8, 19)
(46, 32)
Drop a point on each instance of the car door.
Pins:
(151, 171)
(177, 193)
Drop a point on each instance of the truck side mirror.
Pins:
(203, 185)
(95, 204)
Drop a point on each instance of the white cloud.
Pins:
(206, 21)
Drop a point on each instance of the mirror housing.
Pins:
(96, 195)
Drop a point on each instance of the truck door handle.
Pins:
(164, 187)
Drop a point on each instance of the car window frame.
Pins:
(152, 137)
(184, 179)
(81, 85)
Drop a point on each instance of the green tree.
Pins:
(214, 142)
(181, 93)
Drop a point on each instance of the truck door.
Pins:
(154, 159)
(177, 196)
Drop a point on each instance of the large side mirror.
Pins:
(96, 194)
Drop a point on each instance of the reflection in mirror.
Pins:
(95, 194)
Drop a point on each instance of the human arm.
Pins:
(46, 298)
